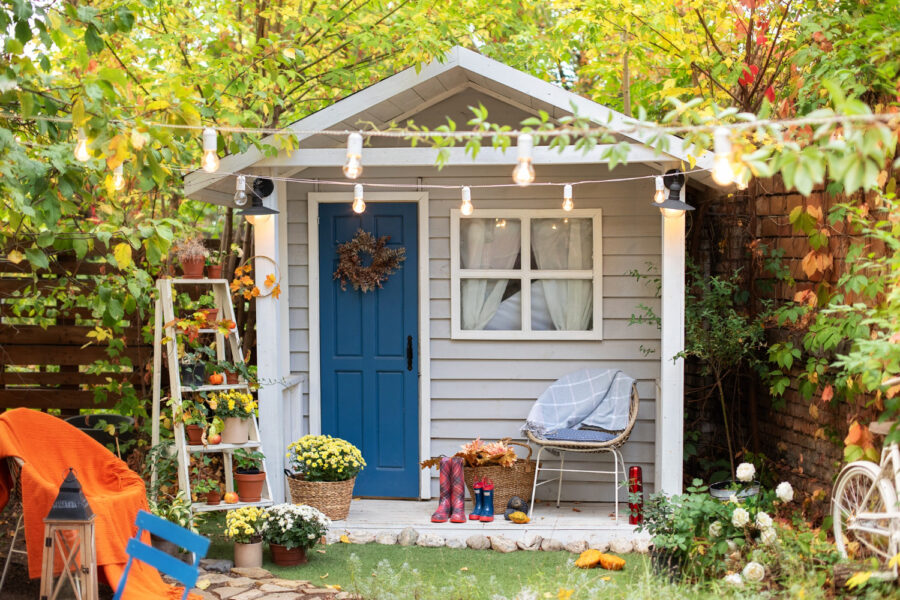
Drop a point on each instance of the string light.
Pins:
(523, 174)
(81, 147)
(466, 208)
(359, 204)
(210, 161)
(118, 180)
(353, 167)
(240, 191)
(742, 178)
(660, 196)
(722, 172)
(567, 198)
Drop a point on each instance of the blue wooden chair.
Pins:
(184, 573)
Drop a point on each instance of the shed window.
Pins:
(552, 290)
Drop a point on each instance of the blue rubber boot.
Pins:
(479, 502)
(487, 501)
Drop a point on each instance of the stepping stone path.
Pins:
(259, 584)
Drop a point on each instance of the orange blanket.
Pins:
(49, 446)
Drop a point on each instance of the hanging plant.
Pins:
(384, 261)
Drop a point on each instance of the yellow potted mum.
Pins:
(324, 472)
(242, 525)
(235, 408)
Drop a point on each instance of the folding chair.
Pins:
(184, 573)
(14, 465)
(584, 441)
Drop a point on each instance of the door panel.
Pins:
(370, 396)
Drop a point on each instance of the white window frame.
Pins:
(526, 275)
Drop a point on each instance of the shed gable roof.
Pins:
(400, 96)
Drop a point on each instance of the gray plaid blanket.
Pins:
(586, 398)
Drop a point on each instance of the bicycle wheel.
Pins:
(849, 499)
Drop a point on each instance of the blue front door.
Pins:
(369, 351)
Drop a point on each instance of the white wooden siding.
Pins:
(485, 388)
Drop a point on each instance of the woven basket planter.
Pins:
(331, 497)
(516, 480)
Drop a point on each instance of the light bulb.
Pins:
(240, 191)
(118, 178)
(359, 205)
(671, 213)
(353, 167)
(722, 172)
(742, 179)
(567, 198)
(81, 147)
(466, 208)
(660, 196)
(523, 174)
(210, 161)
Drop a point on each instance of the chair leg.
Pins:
(562, 466)
(9, 553)
(537, 470)
(616, 483)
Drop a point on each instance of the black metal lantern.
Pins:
(674, 182)
(262, 188)
(69, 544)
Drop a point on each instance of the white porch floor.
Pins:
(570, 522)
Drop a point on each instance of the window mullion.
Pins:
(525, 260)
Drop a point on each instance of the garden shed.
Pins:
(465, 336)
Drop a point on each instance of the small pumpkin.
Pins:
(519, 517)
(216, 379)
(611, 562)
(588, 559)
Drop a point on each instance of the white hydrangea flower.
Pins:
(715, 529)
(754, 571)
(763, 520)
(785, 492)
(740, 517)
(745, 472)
(768, 536)
(734, 579)
(734, 499)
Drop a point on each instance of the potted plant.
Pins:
(192, 255)
(211, 489)
(234, 372)
(214, 264)
(207, 307)
(192, 369)
(175, 509)
(291, 530)
(193, 416)
(325, 470)
(235, 408)
(242, 527)
(248, 474)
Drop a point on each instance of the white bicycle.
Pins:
(865, 509)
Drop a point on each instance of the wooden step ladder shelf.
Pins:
(165, 313)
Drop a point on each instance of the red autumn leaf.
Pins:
(761, 39)
(770, 94)
(748, 75)
(827, 393)
(751, 4)
(895, 338)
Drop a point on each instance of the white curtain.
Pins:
(486, 244)
(561, 244)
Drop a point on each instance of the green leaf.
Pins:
(92, 39)
(37, 258)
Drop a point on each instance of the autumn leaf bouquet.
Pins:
(481, 454)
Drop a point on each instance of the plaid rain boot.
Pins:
(443, 510)
(487, 501)
(457, 492)
(479, 502)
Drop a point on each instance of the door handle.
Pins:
(409, 353)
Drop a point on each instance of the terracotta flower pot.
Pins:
(213, 498)
(211, 315)
(193, 269)
(232, 377)
(237, 431)
(194, 434)
(283, 557)
(248, 555)
(249, 486)
(214, 271)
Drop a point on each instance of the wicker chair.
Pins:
(560, 447)
(14, 465)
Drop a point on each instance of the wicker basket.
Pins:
(331, 497)
(516, 480)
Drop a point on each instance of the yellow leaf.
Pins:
(467, 568)
(564, 594)
(122, 252)
(289, 52)
(345, 539)
(692, 160)
(326, 574)
(202, 584)
(111, 430)
(895, 561)
(607, 578)
(138, 139)
(814, 411)
(158, 105)
(859, 579)
(15, 257)
(334, 586)
(270, 280)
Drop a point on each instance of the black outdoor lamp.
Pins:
(262, 188)
(671, 205)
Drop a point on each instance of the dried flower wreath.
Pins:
(350, 263)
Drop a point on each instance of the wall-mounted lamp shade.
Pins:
(262, 188)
